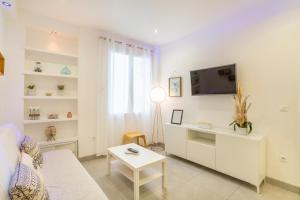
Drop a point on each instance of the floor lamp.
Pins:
(157, 96)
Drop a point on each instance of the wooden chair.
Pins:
(129, 136)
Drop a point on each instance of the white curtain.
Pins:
(124, 84)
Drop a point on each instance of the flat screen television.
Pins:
(216, 80)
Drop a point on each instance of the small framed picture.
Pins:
(175, 87)
(177, 117)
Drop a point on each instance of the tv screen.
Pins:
(216, 80)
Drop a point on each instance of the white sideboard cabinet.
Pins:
(239, 156)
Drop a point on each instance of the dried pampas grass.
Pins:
(241, 109)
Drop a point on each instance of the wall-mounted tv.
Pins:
(216, 80)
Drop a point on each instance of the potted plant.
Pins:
(241, 123)
(60, 89)
(31, 90)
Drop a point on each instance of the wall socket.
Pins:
(284, 108)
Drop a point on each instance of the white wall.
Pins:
(11, 84)
(265, 45)
(88, 62)
(1, 30)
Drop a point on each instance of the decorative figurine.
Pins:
(50, 133)
(69, 115)
(48, 94)
(53, 116)
(38, 67)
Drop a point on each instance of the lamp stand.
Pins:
(157, 130)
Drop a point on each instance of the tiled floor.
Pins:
(186, 180)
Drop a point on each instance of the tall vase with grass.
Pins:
(241, 124)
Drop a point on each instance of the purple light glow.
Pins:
(240, 20)
(6, 4)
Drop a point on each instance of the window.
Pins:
(130, 83)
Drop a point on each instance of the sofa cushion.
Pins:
(9, 157)
(31, 147)
(26, 184)
(65, 178)
(28, 160)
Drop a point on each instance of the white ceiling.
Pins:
(137, 19)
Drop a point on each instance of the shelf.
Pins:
(51, 97)
(53, 62)
(146, 175)
(58, 142)
(50, 75)
(218, 131)
(201, 140)
(51, 52)
(49, 120)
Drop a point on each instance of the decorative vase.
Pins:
(242, 131)
(69, 115)
(61, 90)
(31, 92)
(50, 133)
(60, 93)
(65, 71)
(34, 113)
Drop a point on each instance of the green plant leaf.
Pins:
(250, 127)
(232, 123)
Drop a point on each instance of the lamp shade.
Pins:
(157, 95)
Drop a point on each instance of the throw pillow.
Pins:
(31, 147)
(26, 184)
(28, 160)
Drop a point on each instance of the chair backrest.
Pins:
(10, 141)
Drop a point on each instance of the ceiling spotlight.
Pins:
(6, 3)
(155, 31)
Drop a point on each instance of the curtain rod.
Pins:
(127, 44)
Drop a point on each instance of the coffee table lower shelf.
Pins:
(147, 175)
(140, 169)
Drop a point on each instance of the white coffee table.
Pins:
(137, 168)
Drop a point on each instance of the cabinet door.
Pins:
(175, 140)
(238, 157)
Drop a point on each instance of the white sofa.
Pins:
(64, 176)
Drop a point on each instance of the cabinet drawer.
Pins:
(202, 154)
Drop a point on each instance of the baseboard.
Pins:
(270, 180)
(282, 184)
(91, 157)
